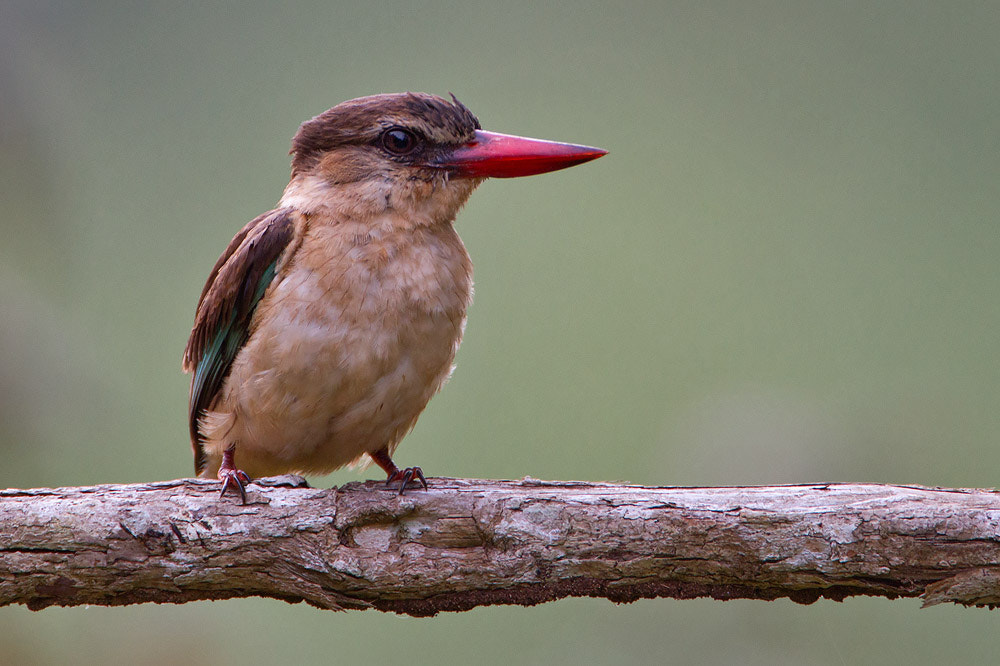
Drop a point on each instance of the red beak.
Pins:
(493, 155)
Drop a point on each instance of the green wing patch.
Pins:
(236, 285)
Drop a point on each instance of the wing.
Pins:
(222, 322)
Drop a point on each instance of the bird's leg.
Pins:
(232, 477)
(404, 476)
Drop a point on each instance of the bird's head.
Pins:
(415, 154)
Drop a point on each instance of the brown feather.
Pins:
(360, 121)
(360, 327)
(230, 289)
(255, 246)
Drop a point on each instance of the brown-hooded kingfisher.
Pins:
(329, 322)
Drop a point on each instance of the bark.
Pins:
(467, 543)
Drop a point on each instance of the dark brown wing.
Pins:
(235, 286)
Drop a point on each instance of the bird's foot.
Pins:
(406, 476)
(232, 477)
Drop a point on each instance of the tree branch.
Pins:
(467, 543)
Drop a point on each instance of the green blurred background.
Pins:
(785, 271)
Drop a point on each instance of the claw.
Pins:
(405, 476)
(230, 476)
(382, 459)
(237, 479)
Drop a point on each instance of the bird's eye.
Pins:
(399, 141)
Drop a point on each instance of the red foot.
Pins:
(405, 476)
(232, 477)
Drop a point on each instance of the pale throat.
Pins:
(410, 203)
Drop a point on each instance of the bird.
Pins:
(329, 322)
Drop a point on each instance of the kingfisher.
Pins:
(329, 322)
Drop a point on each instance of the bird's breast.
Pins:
(377, 290)
(349, 344)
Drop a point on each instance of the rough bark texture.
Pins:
(467, 543)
